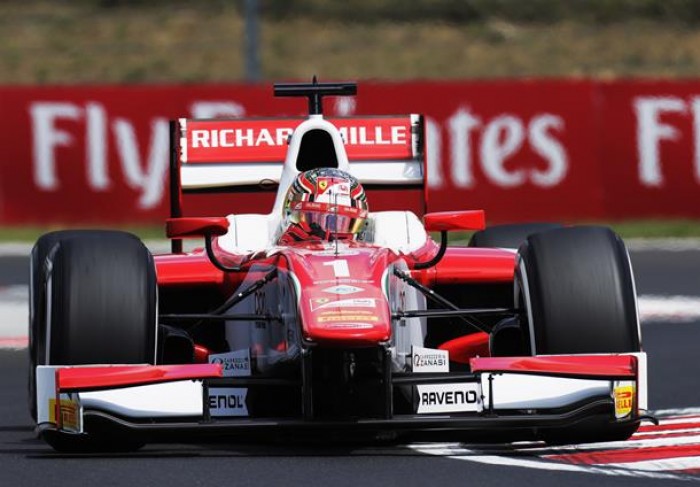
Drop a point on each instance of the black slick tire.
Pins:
(100, 308)
(577, 287)
(38, 266)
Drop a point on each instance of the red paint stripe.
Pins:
(628, 455)
(577, 365)
(72, 378)
(667, 427)
(689, 471)
(14, 342)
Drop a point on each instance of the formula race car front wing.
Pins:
(500, 397)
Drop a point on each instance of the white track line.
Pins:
(448, 451)
(535, 455)
(661, 465)
(669, 308)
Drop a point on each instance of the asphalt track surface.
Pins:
(672, 348)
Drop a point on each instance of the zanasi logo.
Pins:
(428, 360)
(235, 364)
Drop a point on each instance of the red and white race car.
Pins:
(529, 332)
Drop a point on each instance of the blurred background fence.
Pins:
(601, 95)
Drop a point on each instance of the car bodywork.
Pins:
(389, 334)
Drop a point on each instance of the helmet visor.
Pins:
(332, 219)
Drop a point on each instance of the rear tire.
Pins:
(102, 309)
(577, 287)
(508, 236)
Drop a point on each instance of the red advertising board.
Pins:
(522, 150)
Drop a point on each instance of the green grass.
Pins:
(657, 228)
(153, 41)
(626, 229)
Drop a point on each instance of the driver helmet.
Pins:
(328, 202)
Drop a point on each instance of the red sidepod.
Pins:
(463, 265)
(341, 298)
(187, 269)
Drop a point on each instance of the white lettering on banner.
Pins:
(501, 139)
(200, 138)
(434, 153)
(549, 148)
(696, 135)
(248, 137)
(460, 126)
(143, 163)
(245, 137)
(344, 106)
(96, 128)
(216, 109)
(394, 135)
(46, 137)
(148, 178)
(150, 181)
(239, 137)
(651, 131)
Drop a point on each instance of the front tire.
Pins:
(580, 292)
(101, 308)
(38, 269)
(577, 288)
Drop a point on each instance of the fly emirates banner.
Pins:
(557, 150)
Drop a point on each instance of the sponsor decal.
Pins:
(623, 394)
(239, 137)
(235, 363)
(349, 326)
(344, 317)
(227, 401)
(71, 415)
(343, 289)
(323, 303)
(333, 251)
(251, 134)
(449, 398)
(332, 185)
(343, 281)
(429, 360)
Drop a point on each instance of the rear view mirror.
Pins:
(196, 227)
(446, 221)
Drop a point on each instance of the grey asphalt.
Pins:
(24, 460)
